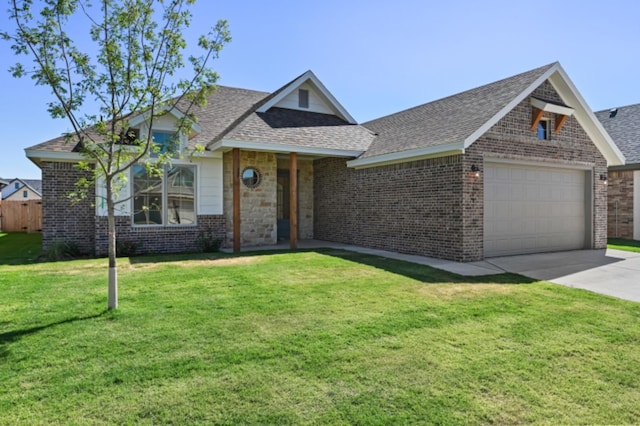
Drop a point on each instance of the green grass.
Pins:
(325, 337)
(623, 244)
(17, 248)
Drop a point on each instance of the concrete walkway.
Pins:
(611, 272)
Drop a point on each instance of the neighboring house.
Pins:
(3, 183)
(623, 125)
(510, 167)
(22, 190)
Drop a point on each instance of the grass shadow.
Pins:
(422, 273)
(18, 248)
(12, 336)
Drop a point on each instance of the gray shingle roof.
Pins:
(624, 129)
(224, 106)
(230, 114)
(302, 128)
(448, 120)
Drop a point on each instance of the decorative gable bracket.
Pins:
(541, 106)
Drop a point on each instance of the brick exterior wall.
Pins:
(413, 207)
(620, 204)
(435, 207)
(78, 223)
(158, 239)
(63, 221)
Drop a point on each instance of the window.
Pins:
(17, 185)
(543, 130)
(25, 194)
(303, 98)
(168, 198)
(251, 177)
(130, 136)
(168, 142)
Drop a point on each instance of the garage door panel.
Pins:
(532, 209)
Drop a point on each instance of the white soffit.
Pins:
(551, 107)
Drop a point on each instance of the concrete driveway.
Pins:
(611, 272)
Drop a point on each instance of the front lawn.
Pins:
(623, 244)
(325, 337)
(18, 247)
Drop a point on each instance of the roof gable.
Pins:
(452, 124)
(319, 97)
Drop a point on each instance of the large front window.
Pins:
(167, 198)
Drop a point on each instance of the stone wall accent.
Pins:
(63, 221)
(258, 206)
(413, 207)
(620, 203)
(159, 239)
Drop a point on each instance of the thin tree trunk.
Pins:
(111, 231)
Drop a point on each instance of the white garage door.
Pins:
(531, 209)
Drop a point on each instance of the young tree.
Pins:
(135, 65)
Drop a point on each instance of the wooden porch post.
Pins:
(293, 200)
(236, 199)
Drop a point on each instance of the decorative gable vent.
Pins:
(303, 98)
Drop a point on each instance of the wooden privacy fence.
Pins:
(21, 216)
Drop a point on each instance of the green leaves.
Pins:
(130, 67)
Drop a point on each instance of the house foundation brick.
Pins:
(159, 239)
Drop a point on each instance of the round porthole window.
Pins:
(251, 177)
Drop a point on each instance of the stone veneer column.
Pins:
(257, 205)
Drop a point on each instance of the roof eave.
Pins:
(37, 156)
(267, 146)
(455, 148)
(587, 119)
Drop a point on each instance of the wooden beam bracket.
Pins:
(537, 116)
(560, 120)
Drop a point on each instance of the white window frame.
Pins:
(165, 199)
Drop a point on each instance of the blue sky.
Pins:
(380, 57)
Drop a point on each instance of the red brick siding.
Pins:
(412, 207)
(620, 204)
(63, 221)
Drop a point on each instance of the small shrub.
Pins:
(63, 250)
(126, 248)
(207, 242)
